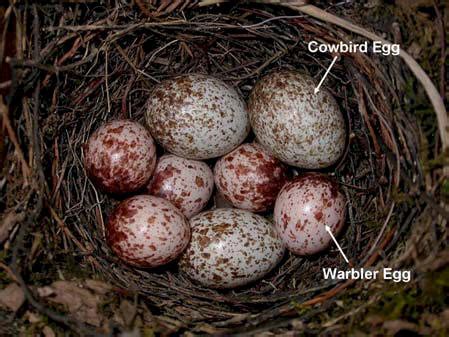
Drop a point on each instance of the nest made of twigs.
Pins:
(90, 64)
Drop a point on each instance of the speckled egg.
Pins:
(296, 125)
(250, 178)
(187, 183)
(197, 116)
(304, 207)
(230, 248)
(120, 156)
(147, 231)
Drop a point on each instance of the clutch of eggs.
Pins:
(197, 117)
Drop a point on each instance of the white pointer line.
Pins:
(325, 75)
(335, 240)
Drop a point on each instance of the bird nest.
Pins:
(81, 65)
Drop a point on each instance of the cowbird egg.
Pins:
(197, 116)
(187, 183)
(304, 207)
(120, 156)
(230, 248)
(250, 178)
(299, 127)
(147, 231)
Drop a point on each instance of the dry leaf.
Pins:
(395, 326)
(128, 312)
(81, 303)
(12, 297)
(48, 332)
(133, 333)
(98, 287)
(32, 317)
(8, 222)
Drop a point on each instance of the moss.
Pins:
(413, 303)
(445, 190)
(300, 309)
(148, 332)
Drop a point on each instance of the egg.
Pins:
(297, 126)
(120, 156)
(147, 231)
(187, 183)
(230, 248)
(250, 178)
(197, 116)
(303, 209)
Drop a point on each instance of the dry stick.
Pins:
(442, 33)
(12, 136)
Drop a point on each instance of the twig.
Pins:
(26, 172)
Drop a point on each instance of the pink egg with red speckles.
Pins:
(250, 178)
(303, 209)
(187, 183)
(120, 156)
(147, 231)
(230, 248)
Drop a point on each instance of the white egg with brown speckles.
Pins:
(197, 116)
(297, 126)
(120, 156)
(250, 178)
(147, 231)
(230, 248)
(187, 183)
(303, 209)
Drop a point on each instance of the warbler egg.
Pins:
(120, 156)
(303, 209)
(147, 231)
